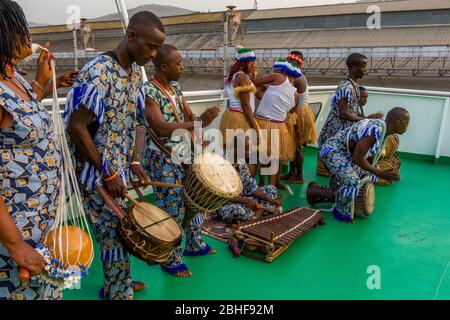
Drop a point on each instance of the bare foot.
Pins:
(183, 274)
(295, 180)
(139, 285)
(287, 176)
(281, 186)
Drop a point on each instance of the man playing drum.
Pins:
(101, 122)
(347, 156)
(166, 111)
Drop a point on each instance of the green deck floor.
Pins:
(408, 237)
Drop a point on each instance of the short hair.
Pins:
(13, 32)
(297, 53)
(396, 114)
(146, 18)
(354, 60)
(162, 53)
(363, 89)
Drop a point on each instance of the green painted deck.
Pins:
(408, 237)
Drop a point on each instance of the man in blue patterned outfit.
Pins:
(345, 109)
(166, 111)
(347, 156)
(101, 121)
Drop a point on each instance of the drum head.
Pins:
(218, 175)
(156, 222)
(369, 205)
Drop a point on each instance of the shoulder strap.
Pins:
(357, 95)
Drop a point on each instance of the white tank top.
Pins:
(235, 102)
(303, 98)
(277, 101)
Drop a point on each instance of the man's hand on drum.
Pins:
(142, 178)
(252, 204)
(389, 175)
(114, 185)
(275, 202)
(209, 115)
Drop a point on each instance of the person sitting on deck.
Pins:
(345, 102)
(248, 204)
(347, 156)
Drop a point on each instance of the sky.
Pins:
(54, 11)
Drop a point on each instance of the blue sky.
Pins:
(55, 11)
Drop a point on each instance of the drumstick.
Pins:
(279, 210)
(132, 200)
(24, 274)
(163, 184)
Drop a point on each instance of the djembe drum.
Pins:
(391, 163)
(149, 233)
(364, 204)
(392, 145)
(365, 201)
(322, 170)
(211, 183)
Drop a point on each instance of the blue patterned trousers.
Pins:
(162, 169)
(117, 282)
(234, 212)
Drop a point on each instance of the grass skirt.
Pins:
(307, 126)
(285, 152)
(233, 120)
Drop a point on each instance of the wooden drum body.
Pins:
(391, 163)
(392, 144)
(322, 170)
(212, 182)
(150, 233)
(365, 202)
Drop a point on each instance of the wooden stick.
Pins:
(163, 184)
(132, 200)
(270, 209)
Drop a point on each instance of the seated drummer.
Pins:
(247, 205)
(165, 112)
(348, 165)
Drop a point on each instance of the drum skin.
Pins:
(150, 233)
(211, 183)
(71, 245)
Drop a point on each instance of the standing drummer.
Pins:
(165, 111)
(101, 122)
(347, 157)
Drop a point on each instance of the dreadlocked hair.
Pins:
(236, 67)
(13, 32)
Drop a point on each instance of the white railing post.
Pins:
(442, 129)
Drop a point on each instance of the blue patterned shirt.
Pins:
(105, 88)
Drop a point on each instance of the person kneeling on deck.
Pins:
(347, 156)
(165, 112)
(253, 200)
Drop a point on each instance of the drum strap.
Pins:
(155, 223)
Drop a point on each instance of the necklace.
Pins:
(127, 70)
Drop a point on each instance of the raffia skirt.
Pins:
(291, 121)
(233, 120)
(307, 125)
(284, 151)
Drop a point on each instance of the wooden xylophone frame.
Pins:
(274, 234)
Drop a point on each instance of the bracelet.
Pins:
(111, 178)
(37, 85)
(138, 163)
